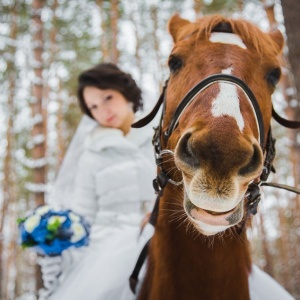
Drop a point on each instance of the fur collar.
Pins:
(101, 137)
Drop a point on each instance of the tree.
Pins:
(110, 14)
(291, 10)
(38, 114)
(8, 182)
(38, 130)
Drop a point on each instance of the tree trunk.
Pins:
(198, 6)
(265, 247)
(109, 26)
(156, 45)
(269, 9)
(8, 181)
(61, 148)
(138, 42)
(54, 49)
(291, 9)
(11, 255)
(283, 248)
(38, 131)
(114, 19)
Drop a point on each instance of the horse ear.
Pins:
(278, 38)
(175, 23)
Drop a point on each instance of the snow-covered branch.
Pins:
(37, 187)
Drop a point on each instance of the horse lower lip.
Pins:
(204, 218)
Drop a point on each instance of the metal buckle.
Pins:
(253, 197)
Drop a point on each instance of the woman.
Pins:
(111, 188)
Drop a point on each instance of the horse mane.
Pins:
(250, 34)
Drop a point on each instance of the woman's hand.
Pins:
(51, 267)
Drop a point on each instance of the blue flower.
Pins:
(50, 232)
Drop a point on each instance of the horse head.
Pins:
(217, 137)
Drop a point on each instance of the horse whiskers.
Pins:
(241, 237)
(176, 205)
(195, 232)
(178, 214)
(166, 152)
(211, 241)
(177, 211)
(168, 209)
(169, 159)
(222, 240)
(168, 170)
(189, 225)
(175, 216)
(180, 219)
(177, 202)
(233, 232)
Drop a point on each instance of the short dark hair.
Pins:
(109, 76)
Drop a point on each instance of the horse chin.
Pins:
(210, 222)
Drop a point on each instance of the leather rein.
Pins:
(253, 194)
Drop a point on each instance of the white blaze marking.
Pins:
(227, 102)
(227, 38)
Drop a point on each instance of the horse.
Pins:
(214, 148)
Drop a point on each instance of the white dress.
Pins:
(112, 186)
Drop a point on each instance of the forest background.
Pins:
(45, 44)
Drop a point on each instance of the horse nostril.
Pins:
(185, 151)
(254, 162)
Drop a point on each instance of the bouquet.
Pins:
(49, 232)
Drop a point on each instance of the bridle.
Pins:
(253, 194)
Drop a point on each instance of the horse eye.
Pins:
(274, 76)
(174, 63)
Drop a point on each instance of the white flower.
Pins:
(53, 219)
(42, 210)
(31, 223)
(73, 217)
(78, 232)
